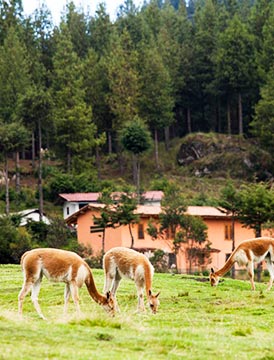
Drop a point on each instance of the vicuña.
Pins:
(123, 262)
(59, 266)
(246, 254)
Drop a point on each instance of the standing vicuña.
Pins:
(59, 266)
(248, 252)
(123, 262)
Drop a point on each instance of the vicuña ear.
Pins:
(212, 271)
(108, 295)
(149, 292)
(157, 294)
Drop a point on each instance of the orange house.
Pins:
(218, 223)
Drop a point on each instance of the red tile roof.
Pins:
(77, 197)
(94, 196)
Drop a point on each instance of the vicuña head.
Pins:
(153, 301)
(213, 278)
(59, 266)
(123, 262)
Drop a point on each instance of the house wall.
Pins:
(69, 208)
(121, 237)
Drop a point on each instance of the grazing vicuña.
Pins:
(248, 252)
(123, 262)
(59, 266)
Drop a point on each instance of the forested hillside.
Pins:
(85, 102)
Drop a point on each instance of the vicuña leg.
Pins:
(141, 303)
(75, 296)
(250, 271)
(114, 288)
(112, 282)
(24, 291)
(270, 267)
(67, 294)
(34, 297)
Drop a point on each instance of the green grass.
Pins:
(194, 321)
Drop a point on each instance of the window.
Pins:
(141, 234)
(170, 233)
(67, 210)
(228, 232)
(227, 256)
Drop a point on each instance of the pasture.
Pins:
(194, 321)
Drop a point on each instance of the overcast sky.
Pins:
(57, 6)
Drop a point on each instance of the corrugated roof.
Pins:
(148, 210)
(94, 196)
(206, 211)
(77, 197)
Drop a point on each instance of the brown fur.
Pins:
(123, 262)
(248, 252)
(59, 266)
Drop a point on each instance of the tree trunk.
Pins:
(188, 116)
(156, 148)
(258, 233)
(40, 180)
(228, 118)
(167, 138)
(17, 172)
(103, 242)
(138, 179)
(240, 108)
(131, 235)
(219, 128)
(6, 176)
(98, 162)
(233, 243)
(134, 169)
(109, 142)
(33, 150)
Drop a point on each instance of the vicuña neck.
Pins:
(96, 296)
(148, 279)
(227, 266)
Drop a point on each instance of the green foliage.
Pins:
(263, 123)
(135, 136)
(13, 241)
(256, 206)
(159, 261)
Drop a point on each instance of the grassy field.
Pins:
(194, 321)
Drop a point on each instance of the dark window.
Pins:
(141, 234)
(227, 256)
(67, 210)
(228, 232)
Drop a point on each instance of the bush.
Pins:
(159, 261)
(13, 241)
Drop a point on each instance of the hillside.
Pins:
(199, 163)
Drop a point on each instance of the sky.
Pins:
(57, 6)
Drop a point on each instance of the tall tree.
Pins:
(73, 118)
(156, 101)
(135, 138)
(13, 137)
(205, 34)
(10, 16)
(123, 80)
(263, 123)
(78, 28)
(14, 81)
(235, 67)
